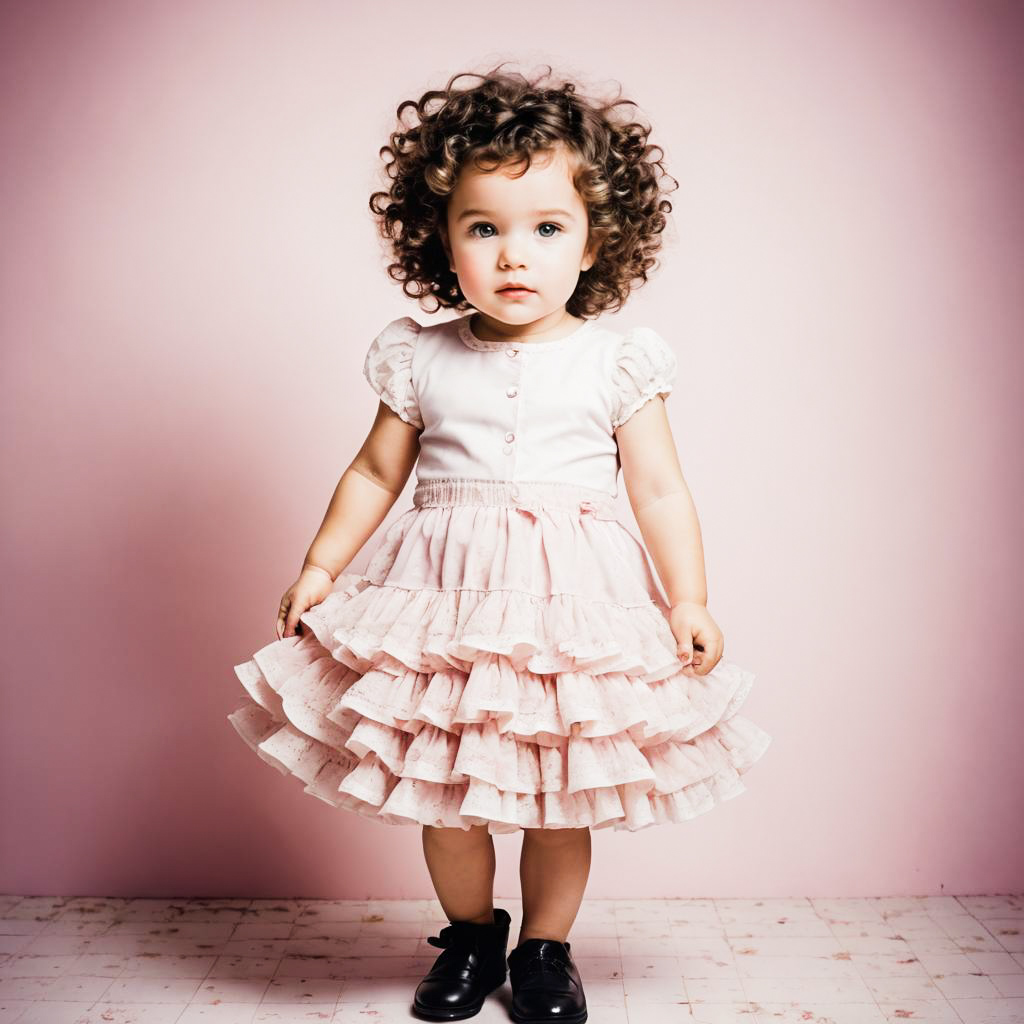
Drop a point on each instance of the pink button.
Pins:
(510, 436)
(512, 392)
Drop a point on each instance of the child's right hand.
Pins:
(312, 586)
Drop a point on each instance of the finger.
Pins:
(700, 639)
(699, 661)
(713, 655)
(707, 661)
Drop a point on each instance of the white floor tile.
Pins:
(938, 960)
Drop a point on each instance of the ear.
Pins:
(590, 254)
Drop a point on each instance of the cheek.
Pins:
(566, 255)
(470, 266)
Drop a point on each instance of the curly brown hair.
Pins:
(503, 120)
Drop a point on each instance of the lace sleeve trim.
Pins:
(388, 368)
(645, 367)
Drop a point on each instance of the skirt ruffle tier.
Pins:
(505, 660)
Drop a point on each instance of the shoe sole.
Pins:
(461, 1012)
(520, 1019)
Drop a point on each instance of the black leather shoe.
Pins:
(471, 966)
(545, 983)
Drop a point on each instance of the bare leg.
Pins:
(461, 866)
(553, 869)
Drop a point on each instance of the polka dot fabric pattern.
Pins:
(505, 660)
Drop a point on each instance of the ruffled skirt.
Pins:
(505, 660)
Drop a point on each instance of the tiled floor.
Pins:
(841, 961)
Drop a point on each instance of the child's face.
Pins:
(502, 229)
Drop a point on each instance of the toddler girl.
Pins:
(507, 662)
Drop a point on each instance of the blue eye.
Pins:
(550, 225)
(480, 224)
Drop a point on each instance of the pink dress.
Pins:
(506, 658)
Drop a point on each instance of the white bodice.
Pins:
(536, 411)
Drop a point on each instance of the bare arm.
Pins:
(366, 491)
(668, 521)
(662, 503)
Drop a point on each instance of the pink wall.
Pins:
(191, 278)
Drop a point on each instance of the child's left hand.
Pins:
(697, 637)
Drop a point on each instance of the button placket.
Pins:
(512, 392)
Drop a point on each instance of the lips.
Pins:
(515, 288)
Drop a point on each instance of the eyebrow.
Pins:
(536, 213)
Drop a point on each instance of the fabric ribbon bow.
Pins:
(531, 509)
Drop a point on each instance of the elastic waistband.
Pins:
(517, 493)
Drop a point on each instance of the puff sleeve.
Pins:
(645, 366)
(388, 368)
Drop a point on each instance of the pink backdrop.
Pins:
(190, 281)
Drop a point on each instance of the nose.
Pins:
(510, 254)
